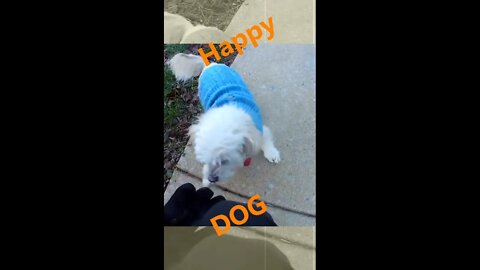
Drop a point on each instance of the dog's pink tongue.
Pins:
(247, 162)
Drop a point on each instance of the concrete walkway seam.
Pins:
(246, 197)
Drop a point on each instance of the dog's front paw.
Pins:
(272, 154)
(205, 183)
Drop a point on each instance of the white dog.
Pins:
(177, 29)
(230, 131)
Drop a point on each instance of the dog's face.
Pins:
(222, 160)
(223, 139)
(224, 164)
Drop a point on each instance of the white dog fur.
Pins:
(224, 136)
(177, 29)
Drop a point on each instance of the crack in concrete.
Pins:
(247, 197)
(286, 240)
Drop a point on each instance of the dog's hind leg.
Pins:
(270, 152)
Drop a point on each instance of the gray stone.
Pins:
(293, 20)
(299, 256)
(251, 13)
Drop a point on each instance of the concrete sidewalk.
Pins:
(293, 20)
(297, 244)
(282, 79)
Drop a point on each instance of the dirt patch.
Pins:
(217, 13)
(181, 106)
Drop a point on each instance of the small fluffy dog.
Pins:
(177, 29)
(230, 131)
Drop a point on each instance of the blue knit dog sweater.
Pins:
(220, 85)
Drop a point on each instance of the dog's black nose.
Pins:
(213, 178)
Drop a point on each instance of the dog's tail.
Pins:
(186, 66)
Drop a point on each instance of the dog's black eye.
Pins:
(224, 162)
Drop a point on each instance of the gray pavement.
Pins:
(296, 243)
(281, 216)
(282, 79)
(301, 255)
(293, 20)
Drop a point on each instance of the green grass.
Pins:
(172, 111)
(174, 106)
(168, 83)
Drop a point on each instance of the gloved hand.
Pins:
(188, 204)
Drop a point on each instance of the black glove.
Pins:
(188, 204)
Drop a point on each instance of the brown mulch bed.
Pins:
(217, 13)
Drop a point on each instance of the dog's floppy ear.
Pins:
(250, 147)
(251, 141)
(247, 147)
